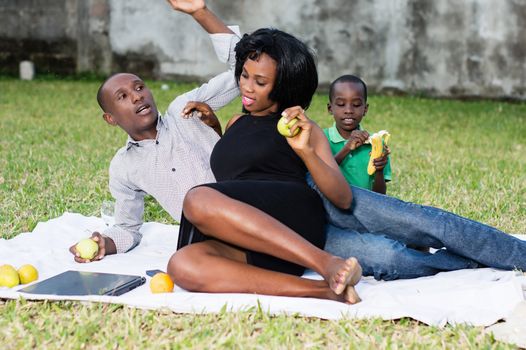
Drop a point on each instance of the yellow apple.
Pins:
(284, 127)
(27, 273)
(8, 276)
(87, 248)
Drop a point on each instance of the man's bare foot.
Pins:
(345, 273)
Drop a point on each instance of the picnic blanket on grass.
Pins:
(478, 297)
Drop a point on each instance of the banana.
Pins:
(377, 141)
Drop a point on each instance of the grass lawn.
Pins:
(55, 149)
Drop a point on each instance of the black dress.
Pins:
(254, 164)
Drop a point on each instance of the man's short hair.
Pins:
(100, 95)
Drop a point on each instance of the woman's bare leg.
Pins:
(238, 223)
(214, 267)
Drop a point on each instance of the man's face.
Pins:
(129, 104)
(347, 105)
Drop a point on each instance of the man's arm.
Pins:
(128, 214)
(221, 89)
(198, 10)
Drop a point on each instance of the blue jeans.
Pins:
(378, 230)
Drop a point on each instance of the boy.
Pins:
(164, 156)
(348, 105)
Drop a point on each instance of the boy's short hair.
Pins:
(348, 78)
(296, 76)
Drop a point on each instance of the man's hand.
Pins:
(204, 113)
(358, 138)
(106, 246)
(187, 6)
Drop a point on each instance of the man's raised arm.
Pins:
(198, 10)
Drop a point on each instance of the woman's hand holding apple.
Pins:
(300, 143)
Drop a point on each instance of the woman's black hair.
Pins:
(296, 76)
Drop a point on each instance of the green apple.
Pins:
(87, 248)
(284, 127)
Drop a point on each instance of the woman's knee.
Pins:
(196, 204)
(185, 269)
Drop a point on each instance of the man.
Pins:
(164, 156)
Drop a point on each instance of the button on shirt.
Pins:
(177, 160)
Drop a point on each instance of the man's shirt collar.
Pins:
(161, 124)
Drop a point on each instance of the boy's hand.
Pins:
(187, 6)
(381, 162)
(358, 138)
(101, 241)
(203, 112)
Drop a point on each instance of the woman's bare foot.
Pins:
(344, 273)
(350, 295)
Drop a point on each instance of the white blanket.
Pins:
(478, 297)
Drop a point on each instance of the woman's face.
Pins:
(255, 84)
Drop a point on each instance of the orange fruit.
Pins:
(161, 283)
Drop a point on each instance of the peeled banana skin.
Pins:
(377, 140)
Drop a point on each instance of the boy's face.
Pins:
(348, 105)
(129, 104)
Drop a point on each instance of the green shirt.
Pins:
(354, 166)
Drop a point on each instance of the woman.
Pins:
(261, 225)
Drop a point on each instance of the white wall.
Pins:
(447, 48)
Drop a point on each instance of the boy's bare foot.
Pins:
(345, 273)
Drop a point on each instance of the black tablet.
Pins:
(85, 283)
